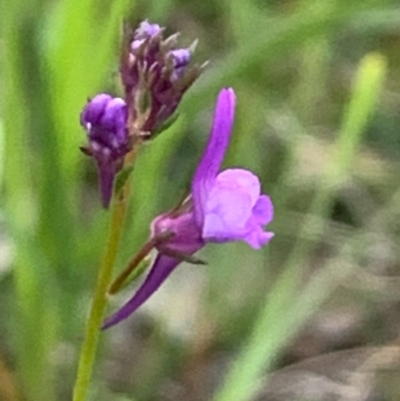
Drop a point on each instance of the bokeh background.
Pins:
(313, 316)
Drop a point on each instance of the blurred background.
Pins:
(313, 316)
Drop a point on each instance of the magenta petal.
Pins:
(214, 153)
(257, 238)
(229, 205)
(240, 180)
(226, 215)
(234, 209)
(263, 211)
(162, 268)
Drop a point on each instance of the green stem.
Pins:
(89, 347)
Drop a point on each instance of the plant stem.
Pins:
(133, 264)
(92, 333)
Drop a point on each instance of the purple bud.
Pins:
(147, 30)
(136, 44)
(94, 110)
(114, 118)
(181, 57)
(105, 119)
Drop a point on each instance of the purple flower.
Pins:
(155, 73)
(223, 206)
(104, 118)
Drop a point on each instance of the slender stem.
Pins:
(135, 262)
(121, 278)
(92, 333)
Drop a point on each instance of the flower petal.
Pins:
(262, 214)
(162, 268)
(115, 115)
(263, 210)
(214, 153)
(257, 238)
(147, 30)
(240, 180)
(94, 109)
(234, 209)
(229, 205)
(226, 214)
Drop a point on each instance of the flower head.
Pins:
(223, 206)
(105, 118)
(155, 73)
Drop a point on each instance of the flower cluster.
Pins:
(155, 74)
(223, 206)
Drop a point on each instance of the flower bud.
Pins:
(105, 118)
